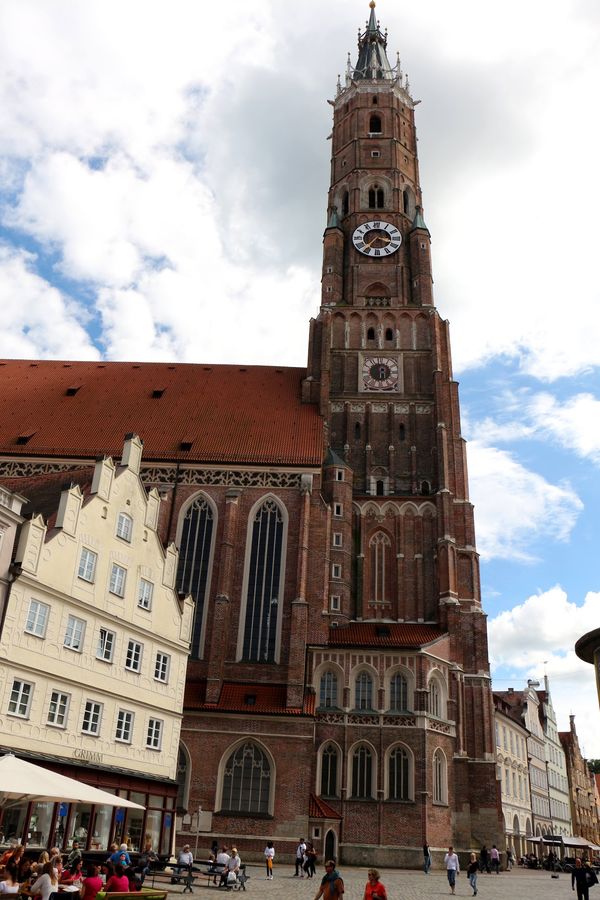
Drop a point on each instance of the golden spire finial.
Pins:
(372, 4)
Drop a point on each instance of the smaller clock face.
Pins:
(377, 238)
(380, 373)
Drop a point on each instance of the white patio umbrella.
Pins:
(22, 781)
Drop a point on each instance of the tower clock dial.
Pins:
(377, 238)
(380, 373)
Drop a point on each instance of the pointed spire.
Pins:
(372, 62)
(419, 221)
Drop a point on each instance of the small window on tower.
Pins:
(375, 125)
(402, 432)
(389, 334)
(339, 474)
(375, 154)
(370, 334)
(374, 101)
(345, 203)
(357, 431)
(425, 488)
(380, 488)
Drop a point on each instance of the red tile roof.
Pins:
(246, 698)
(318, 809)
(229, 414)
(383, 634)
(43, 494)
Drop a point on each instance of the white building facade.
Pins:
(93, 655)
(513, 773)
(558, 783)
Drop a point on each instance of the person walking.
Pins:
(579, 880)
(495, 859)
(509, 859)
(484, 861)
(374, 889)
(472, 871)
(452, 867)
(269, 857)
(300, 851)
(426, 858)
(332, 884)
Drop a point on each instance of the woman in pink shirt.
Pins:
(92, 883)
(118, 882)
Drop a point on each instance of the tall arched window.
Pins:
(376, 197)
(440, 785)
(435, 698)
(264, 573)
(329, 771)
(375, 125)
(399, 775)
(345, 203)
(328, 690)
(193, 575)
(363, 691)
(398, 693)
(246, 780)
(379, 547)
(362, 773)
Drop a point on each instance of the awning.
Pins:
(22, 781)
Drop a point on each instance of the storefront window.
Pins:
(135, 822)
(153, 822)
(61, 825)
(13, 823)
(79, 825)
(40, 823)
(101, 832)
(167, 834)
(156, 800)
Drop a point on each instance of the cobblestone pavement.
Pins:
(401, 884)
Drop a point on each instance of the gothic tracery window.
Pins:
(246, 780)
(379, 547)
(328, 690)
(329, 770)
(362, 773)
(264, 573)
(439, 777)
(193, 573)
(398, 693)
(363, 691)
(399, 775)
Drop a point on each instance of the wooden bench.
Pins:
(214, 871)
(146, 893)
(176, 875)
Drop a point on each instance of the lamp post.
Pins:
(587, 648)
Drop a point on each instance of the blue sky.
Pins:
(162, 196)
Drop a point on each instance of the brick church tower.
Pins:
(338, 683)
(404, 568)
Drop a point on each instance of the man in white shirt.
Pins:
(452, 867)
(300, 851)
(221, 862)
(232, 866)
(186, 857)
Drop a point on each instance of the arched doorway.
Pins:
(330, 845)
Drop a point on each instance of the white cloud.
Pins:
(539, 635)
(515, 507)
(37, 319)
(573, 423)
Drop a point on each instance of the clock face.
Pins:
(377, 238)
(380, 373)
